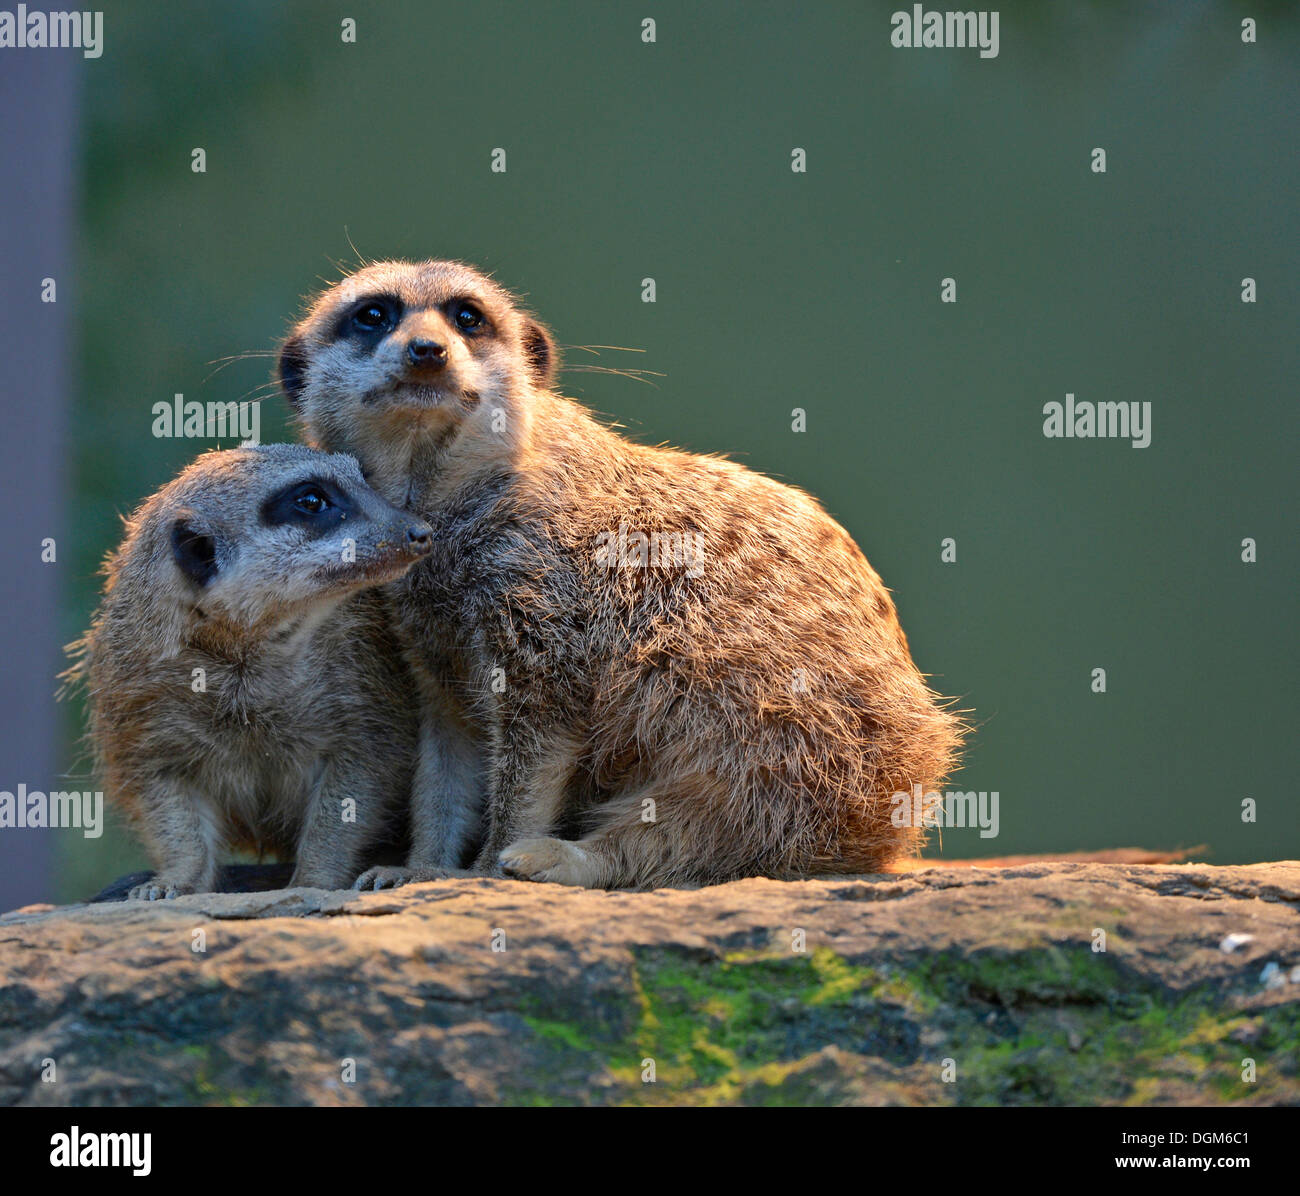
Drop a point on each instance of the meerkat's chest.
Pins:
(248, 743)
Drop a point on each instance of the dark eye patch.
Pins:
(316, 504)
(370, 319)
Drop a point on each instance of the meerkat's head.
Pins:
(405, 352)
(262, 534)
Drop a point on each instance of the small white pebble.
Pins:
(1272, 976)
(1232, 941)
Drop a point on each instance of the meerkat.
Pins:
(638, 666)
(245, 688)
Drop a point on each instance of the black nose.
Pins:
(419, 539)
(426, 354)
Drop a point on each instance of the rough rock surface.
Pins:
(948, 986)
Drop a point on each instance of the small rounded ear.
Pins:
(194, 552)
(293, 368)
(541, 353)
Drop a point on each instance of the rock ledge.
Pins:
(486, 991)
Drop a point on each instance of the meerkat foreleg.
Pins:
(448, 799)
(183, 837)
(345, 813)
(530, 779)
(446, 803)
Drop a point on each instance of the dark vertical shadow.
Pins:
(38, 112)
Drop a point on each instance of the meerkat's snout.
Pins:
(388, 540)
(423, 345)
(419, 539)
(425, 356)
(428, 367)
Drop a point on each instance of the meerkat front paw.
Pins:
(554, 860)
(158, 889)
(394, 878)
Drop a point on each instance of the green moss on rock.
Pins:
(1054, 1025)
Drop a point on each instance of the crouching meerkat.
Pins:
(638, 666)
(245, 688)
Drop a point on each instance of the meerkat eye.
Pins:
(468, 317)
(311, 501)
(371, 317)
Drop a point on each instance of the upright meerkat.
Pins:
(638, 666)
(244, 682)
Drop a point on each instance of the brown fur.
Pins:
(760, 706)
(307, 701)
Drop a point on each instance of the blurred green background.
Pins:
(779, 290)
